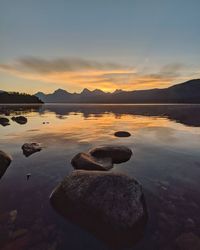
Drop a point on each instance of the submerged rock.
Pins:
(110, 205)
(118, 154)
(4, 121)
(18, 233)
(122, 134)
(188, 241)
(13, 215)
(31, 148)
(28, 176)
(19, 119)
(5, 161)
(88, 162)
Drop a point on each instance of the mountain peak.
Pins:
(85, 91)
(98, 91)
(60, 91)
(187, 92)
(118, 91)
(39, 93)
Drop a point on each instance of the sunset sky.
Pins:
(105, 44)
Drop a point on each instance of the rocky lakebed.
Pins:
(111, 195)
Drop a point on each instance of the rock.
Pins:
(4, 121)
(110, 205)
(5, 161)
(122, 134)
(13, 215)
(118, 154)
(18, 233)
(189, 224)
(19, 243)
(88, 162)
(19, 119)
(188, 241)
(28, 176)
(30, 148)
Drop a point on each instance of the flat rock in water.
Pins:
(110, 205)
(122, 134)
(30, 148)
(118, 154)
(4, 121)
(19, 119)
(88, 162)
(5, 161)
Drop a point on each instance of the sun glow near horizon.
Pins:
(74, 75)
(74, 45)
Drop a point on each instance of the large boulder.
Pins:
(31, 148)
(88, 162)
(19, 119)
(4, 121)
(110, 205)
(118, 154)
(5, 161)
(122, 134)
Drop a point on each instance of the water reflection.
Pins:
(165, 142)
(187, 114)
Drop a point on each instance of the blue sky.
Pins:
(142, 39)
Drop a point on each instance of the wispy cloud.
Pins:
(91, 74)
(40, 65)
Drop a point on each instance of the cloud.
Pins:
(39, 65)
(77, 73)
(172, 70)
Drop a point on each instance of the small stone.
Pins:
(30, 148)
(13, 215)
(189, 224)
(4, 121)
(19, 119)
(122, 134)
(188, 241)
(18, 233)
(28, 176)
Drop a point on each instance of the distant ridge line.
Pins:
(187, 92)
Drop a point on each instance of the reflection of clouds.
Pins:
(186, 114)
(91, 123)
(164, 134)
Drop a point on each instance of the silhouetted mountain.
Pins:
(15, 97)
(187, 92)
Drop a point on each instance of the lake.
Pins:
(165, 140)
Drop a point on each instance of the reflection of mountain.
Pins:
(185, 114)
(19, 109)
(187, 92)
(15, 97)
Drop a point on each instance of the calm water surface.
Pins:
(166, 144)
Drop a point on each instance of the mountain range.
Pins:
(187, 92)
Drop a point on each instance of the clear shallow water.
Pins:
(166, 144)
